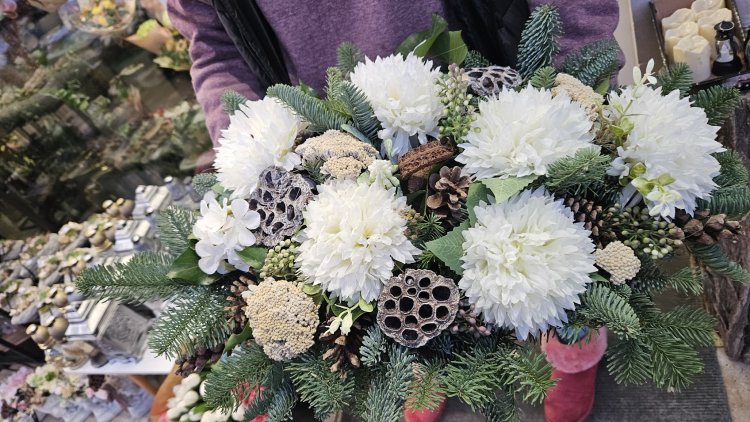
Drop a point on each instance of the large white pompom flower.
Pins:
(525, 262)
(261, 134)
(521, 133)
(353, 234)
(223, 230)
(667, 153)
(404, 95)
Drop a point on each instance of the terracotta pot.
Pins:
(424, 415)
(575, 365)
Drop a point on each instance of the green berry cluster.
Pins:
(459, 110)
(279, 263)
(642, 232)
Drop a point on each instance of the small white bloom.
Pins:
(669, 139)
(261, 134)
(222, 231)
(404, 95)
(353, 235)
(380, 172)
(521, 133)
(191, 397)
(525, 262)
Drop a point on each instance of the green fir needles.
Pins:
(538, 44)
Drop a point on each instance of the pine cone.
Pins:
(468, 320)
(447, 191)
(195, 363)
(592, 215)
(706, 228)
(343, 348)
(236, 304)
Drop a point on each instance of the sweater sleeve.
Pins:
(217, 66)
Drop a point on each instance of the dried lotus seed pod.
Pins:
(416, 306)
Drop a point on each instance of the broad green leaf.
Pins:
(449, 47)
(185, 267)
(502, 189)
(477, 193)
(312, 289)
(356, 133)
(598, 277)
(366, 306)
(603, 87)
(420, 42)
(254, 256)
(449, 248)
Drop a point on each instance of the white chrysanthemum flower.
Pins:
(222, 231)
(353, 234)
(404, 95)
(525, 262)
(261, 134)
(667, 153)
(521, 133)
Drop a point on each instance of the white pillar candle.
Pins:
(677, 18)
(702, 5)
(694, 50)
(708, 21)
(674, 35)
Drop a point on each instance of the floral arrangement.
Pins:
(187, 404)
(409, 235)
(49, 379)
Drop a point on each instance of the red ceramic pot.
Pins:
(572, 398)
(424, 415)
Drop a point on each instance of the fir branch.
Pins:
(324, 391)
(593, 63)
(312, 109)
(373, 346)
(575, 175)
(692, 326)
(281, 406)
(502, 409)
(474, 375)
(538, 44)
(175, 225)
(231, 381)
(204, 182)
(426, 390)
(358, 107)
(733, 171)
(734, 201)
(688, 280)
(385, 398)
(193, 320)
(676, 76)
(650, 276)
(718, 102)
(604, 306)
(628, 361)
(713, 257)
(430, 228)
(334, 90)
(673, 363)
(528, 372)
(544, 78)
(441, 347)
(475, 59)
(348, 56)
(142, 278)
(231, 100)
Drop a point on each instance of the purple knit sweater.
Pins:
(310, 31)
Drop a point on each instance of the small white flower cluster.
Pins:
(223, 230)
(619, 261)
(404, 96)
(188, 394)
